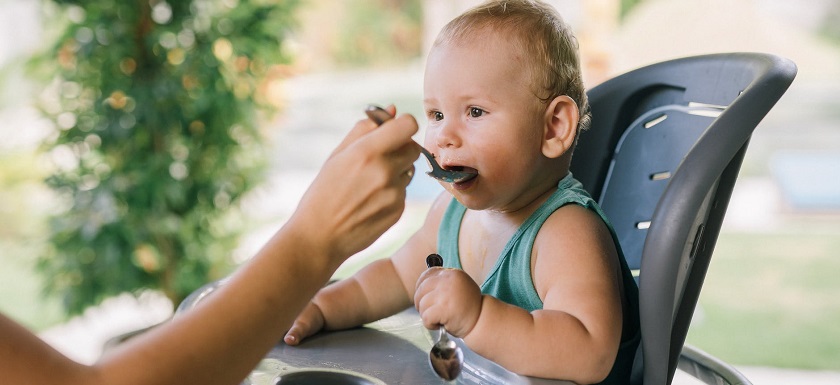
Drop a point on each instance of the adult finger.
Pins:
(360, 129)
(393, 135)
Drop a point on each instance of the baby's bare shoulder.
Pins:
(574, 223)
(572, 244)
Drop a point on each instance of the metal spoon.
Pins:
(379, 116)
(446, 358)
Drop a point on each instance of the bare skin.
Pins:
(483, 115)
(220, 341)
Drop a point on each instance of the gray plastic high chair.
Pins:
(661, 157)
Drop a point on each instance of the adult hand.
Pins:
(448, 297)
(360, 191)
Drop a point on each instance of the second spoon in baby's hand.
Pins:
(446, 358)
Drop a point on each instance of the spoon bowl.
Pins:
(379, 116)
(446, 357)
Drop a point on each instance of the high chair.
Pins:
(661, 157)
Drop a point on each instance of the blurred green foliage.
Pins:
(154, 103)
(379, 31)
(830, 26)
(626, 6)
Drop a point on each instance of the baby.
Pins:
(533, 275)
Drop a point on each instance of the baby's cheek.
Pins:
(429, 136)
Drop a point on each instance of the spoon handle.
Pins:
(443, 335)
(434, 260)
(377, 114)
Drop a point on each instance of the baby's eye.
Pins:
(437, 116)
(476, 112)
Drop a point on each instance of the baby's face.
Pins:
(483, 115)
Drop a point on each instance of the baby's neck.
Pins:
(527, 203)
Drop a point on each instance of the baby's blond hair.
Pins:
(542, 35)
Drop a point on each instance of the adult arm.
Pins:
(358, 194)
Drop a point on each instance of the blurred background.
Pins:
(159, 147)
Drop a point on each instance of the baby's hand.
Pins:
(308, 322)
(448, 297)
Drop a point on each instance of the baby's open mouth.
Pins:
(468, 172)
(461, 169)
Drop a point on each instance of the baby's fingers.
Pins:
(309, 322)
(425, 297)
(430, 312)
(296, 334)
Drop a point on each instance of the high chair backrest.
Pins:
(661, 157)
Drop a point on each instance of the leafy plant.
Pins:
(155, 103)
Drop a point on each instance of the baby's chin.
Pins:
(464, 194)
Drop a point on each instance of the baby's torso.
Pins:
(496, 249)
(499, 257)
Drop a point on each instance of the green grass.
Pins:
(771, 299)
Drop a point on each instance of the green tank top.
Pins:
(510, 279)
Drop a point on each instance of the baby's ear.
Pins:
(561, 122)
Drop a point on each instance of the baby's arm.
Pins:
(378, 290)
(576, 335)
(351, 302)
